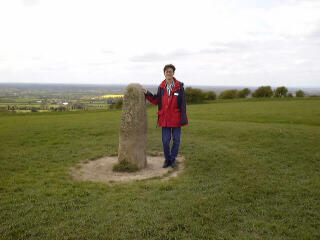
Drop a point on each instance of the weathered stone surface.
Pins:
(133, 128)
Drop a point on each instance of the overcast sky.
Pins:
(225, 42)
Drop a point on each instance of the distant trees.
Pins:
(210, 95)
(300, 93)
(263, 91)
(194, 95)
(234, 93)
(78, 106)
(229, 94)
(244, 93)
(281, 92)
(58, 109)
(61, 108)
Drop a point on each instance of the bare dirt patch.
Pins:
(100, 170)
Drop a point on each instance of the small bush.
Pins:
(229, 94)
(117, 104)
(125, 166)
(289, 95)
(263, 91)
(300, 93)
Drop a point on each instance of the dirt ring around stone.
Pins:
(100, 170)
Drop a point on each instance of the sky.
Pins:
(216, 43)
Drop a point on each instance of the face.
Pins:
(169, 73)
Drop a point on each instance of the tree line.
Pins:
(195, 95)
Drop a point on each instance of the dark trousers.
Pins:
(171, 154)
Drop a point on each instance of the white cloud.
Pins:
(30, 2)
(225, 42)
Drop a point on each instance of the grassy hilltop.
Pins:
(252, 172)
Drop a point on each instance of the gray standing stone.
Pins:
(133, 128)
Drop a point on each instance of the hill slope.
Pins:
(252, 172)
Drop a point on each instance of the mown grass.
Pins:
(252, 172)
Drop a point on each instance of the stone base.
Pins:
(100, 170)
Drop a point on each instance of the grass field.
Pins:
(252, 172)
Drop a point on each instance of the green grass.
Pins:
(124, 166)
(252, 171)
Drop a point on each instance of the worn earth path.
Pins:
(100, 170)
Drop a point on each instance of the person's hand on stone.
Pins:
(144, 90)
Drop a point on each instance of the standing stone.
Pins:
(133, 128)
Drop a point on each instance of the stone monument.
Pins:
(133, 128)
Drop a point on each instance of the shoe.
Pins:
(166, 164)
(174, 164)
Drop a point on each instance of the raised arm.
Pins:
(152, 98)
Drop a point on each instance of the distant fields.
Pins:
(252, 172)
(112, 96)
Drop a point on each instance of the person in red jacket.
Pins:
(172, 114)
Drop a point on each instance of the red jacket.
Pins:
(171, 110)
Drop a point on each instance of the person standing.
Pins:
(172, 114)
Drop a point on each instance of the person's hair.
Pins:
(169, 66)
